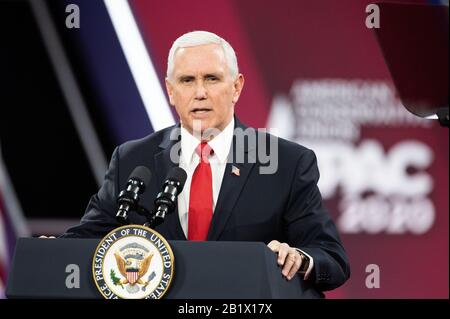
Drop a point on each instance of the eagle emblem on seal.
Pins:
(133, 262)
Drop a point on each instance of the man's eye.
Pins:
(211, 78)
(186, 80)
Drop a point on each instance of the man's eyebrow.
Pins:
(217, 75)
(185, 77)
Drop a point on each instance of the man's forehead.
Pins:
(207, 58)
(204, 48)
(206, 53)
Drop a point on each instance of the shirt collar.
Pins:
(220, 144)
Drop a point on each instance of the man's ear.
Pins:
(169, 90)
(238, 86)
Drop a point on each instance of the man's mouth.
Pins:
(199, 111)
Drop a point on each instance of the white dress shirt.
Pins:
(189, 160)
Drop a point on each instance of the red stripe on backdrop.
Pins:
(161, 22)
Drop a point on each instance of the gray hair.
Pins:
(196, 38)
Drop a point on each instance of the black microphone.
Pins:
(166, 200)
(128, 198)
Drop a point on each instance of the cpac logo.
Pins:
(394, 215)
(379, 191)
(368, 167)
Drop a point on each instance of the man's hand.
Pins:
(288, 257)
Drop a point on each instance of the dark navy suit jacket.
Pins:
(286, 206)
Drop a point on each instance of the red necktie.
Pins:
(200, 197)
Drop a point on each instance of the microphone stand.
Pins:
(151, 222)
(154, 219)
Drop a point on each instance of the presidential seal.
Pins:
(133, 262)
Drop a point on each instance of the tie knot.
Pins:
(204, 151)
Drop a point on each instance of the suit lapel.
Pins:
(231, 187)
(163, 164)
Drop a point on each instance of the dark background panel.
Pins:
(39, 143)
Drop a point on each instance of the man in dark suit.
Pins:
(232, 193)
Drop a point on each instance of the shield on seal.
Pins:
(132, 275)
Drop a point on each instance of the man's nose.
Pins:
(200, 91)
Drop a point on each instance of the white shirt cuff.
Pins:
(310, 266)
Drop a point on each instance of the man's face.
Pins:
(201, 87)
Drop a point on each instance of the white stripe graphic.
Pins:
(141, 66)
(13, 212)
(11, 203)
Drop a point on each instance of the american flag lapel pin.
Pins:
(236, 171)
